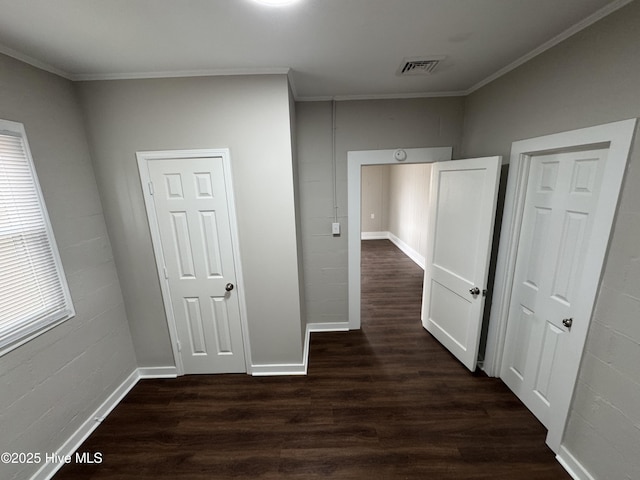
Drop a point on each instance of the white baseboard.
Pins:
(158, 372)
(572, 465)
(285, 368)
(69, 447)
(275, 369)
(48, 470)
(299, 368)
(328, 327)
(374, 235)
(408, 250)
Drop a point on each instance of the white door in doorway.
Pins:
(191, 208)
(558, 217)
(461, 217)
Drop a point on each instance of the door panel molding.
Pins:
(143, 159)
(462, 208)
(617, 137)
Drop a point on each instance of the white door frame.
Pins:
(355, 161)
(143, 166)
(617, 137)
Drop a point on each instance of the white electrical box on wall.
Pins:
(335, 228)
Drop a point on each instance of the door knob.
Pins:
(474, 291)
(229, 287)
(567, 322)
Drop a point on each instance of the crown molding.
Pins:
(383, 96)
(215, 72)
(581, 25)
(34, 62)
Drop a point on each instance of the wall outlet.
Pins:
(373, 215)
(335, 228)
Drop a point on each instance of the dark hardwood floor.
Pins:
(386, 402)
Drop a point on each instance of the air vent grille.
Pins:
(419, 65)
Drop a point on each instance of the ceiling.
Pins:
(331, 48)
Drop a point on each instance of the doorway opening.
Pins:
(454, 232)
(356, 160)
(394, 204)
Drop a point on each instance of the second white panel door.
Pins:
(560, 205)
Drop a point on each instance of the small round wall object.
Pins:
(400, 155)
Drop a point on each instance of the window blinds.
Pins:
(32, 292)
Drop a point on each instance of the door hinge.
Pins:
(150, 188)
(179, 345)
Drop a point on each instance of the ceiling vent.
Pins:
(419, 65)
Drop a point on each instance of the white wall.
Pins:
(360, 125)
(409, 187)
(592, 78)
(52, 384)
(249, 115)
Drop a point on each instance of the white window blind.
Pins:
(33, 290)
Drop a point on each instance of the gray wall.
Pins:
(296, 192)
(398, 197)
(374, 198)
(53, 383)
(249, 115)
(590, 79)
(360, 125)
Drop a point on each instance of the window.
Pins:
(33, 291)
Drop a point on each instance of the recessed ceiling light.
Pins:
(276, 3)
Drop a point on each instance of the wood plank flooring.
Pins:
(385, 402)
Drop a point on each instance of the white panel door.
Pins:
(461, 216)
(190, 202)
(560, 203)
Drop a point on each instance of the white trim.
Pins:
(355, 161)
(408, 250)
(561, 37)
(34, 62)
(382, 96)
(298, 368)
(26, 331)
(286, 368)
(328, 327)
(48, 470)
(618, 136)
(572, 465)
(374, 235)
(158, 372)
(278, 369)
(143, 159)
(214, 72)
